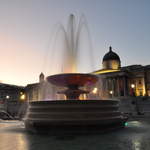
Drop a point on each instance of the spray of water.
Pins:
(71, 50)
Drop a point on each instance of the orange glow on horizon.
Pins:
(18, 61)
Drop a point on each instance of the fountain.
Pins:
(73, 113)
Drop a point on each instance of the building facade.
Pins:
(12, 98)
(117, 81)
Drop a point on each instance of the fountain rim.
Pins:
(74, 74)
(65, 79)
(91, 101)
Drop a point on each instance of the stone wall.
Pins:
(135, 105)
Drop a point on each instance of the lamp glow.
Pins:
(126, 123)
(111, 92)
(7, 97)
(94, 91)
(22, 97)
(133, 86)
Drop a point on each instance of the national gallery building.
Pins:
(114, 82)
(117, 81)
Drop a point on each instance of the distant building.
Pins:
(12, 98)
(42, 90)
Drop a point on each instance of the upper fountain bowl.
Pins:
(67, 79)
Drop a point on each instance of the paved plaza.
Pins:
(135, 136)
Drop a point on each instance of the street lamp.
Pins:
(132, 86)
(94, 90)
(22, 97)
(7, 97)
(133, 89)
(135, 100)
(111, 92)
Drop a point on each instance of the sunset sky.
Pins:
(26, 28)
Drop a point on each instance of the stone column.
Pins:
(124, 84)
(113, 87)
(106, 91)
(145, 82)
(118, 88)
(105, 88)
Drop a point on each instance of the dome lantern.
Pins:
(41, 77)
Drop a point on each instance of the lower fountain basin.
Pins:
(62, 114)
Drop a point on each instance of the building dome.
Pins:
(111, 60)
(111, 55)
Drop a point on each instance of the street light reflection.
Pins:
(137, 144)
(19, 141)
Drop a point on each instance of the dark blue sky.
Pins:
(27, 25)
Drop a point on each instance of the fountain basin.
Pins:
(73, 81)
(67, 79)
(63, 114)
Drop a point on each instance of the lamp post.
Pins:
(111, 93)
(136, 102)
(7, 97)
(133, 89)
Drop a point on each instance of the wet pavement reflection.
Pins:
(135, 136)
